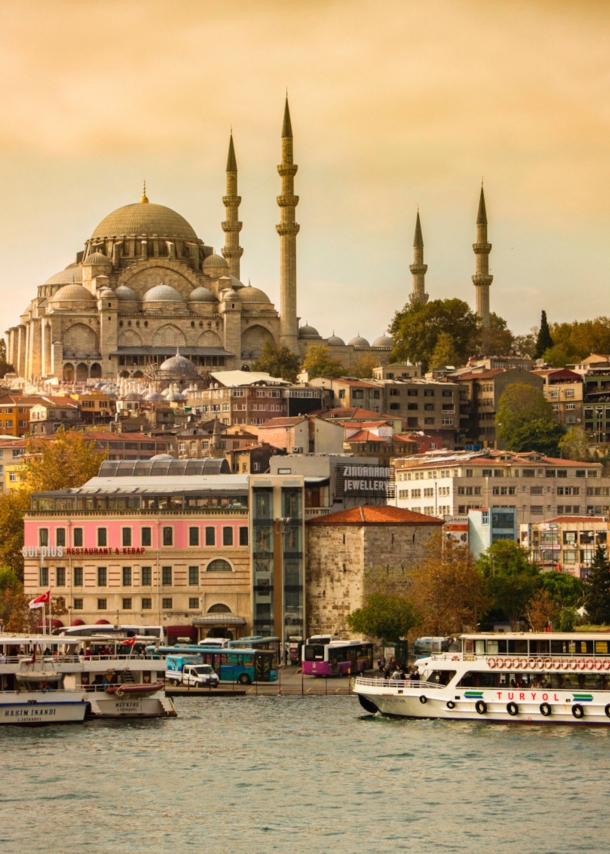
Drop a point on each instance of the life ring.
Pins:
(423, 699)
(606, 664)
(545, 710)
(481, 707)
(557, 664)
(564, 663)
(540, 664)
(119, 692)
(508, 662)
(589, 664)
(581, 664)
(578, 711)
(607, 710)
(532, 664)
(455, 658)
(450, 704)
(512, 709)
(573, 664)
(491, 662)
(548, 663)
(599, 664)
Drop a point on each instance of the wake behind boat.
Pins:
(561, 678)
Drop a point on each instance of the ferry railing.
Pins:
(395, 683)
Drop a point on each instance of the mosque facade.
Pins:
(146, 284)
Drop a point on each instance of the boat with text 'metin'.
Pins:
(561, 678)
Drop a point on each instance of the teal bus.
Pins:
(256, 642)
(232, 665)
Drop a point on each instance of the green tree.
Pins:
(13, 506)
(525, 421)
(511, 579)
(318, 362)
(544, 340)
(417, 327)
(363, 367)
(279, 361)
(444, 352)
(557, 356)
(565, 589)
(65, 462)
(497, 340)
(385, 616)
(9, 580)
(597, 589)
(525, 345)
(575, 444)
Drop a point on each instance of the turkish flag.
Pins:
(128, 642)
(41, 600)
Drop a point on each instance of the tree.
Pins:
(597, 589)
(544, 340)
(318, 362)
(444, 352)
(575, 444)
(539, 610)
(66, 462)
(565, 589)
(9, 580)
(13, 506)
(497, 340)
(279, 361)
(557, 356)
(385, 616)
(447, 589)
(524, 345)
(418, 326)
(511, 579)
(525, 421)
(363, 367)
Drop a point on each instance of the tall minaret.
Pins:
(482, 280)
(288, 230)
(232, 226)
(418, 268)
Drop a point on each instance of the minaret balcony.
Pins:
(288, 201)
(482, 281)
(287, 228)
(231, 226)
(231, 201)
(287, 169)
(481, 248)
(418, 269)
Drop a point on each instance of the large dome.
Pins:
(180, 366)
(163, 293)
(145, 219)
(72, 293)
(251, 294)
(73, 274)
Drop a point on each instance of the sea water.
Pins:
(302, 775)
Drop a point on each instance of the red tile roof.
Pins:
(353, 412)
(373, 515)
(566, 519)
(367, 436)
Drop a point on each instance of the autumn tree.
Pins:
(525, 421)
(13, 506)
(66, 462)
(417, 327)
(496, 340)
(575, 444)
(363, 367)
(444, 352)
(385, 616)
(539, 610)
(318, 362)
(279, 361)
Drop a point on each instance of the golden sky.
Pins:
(394, 103)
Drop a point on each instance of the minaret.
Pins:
(418, 268)
(482, 280)
(232, 251)
(288, 230)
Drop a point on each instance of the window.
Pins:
(60, 576)
(126, 604)
(60, 536)
(537, 490)
(429, 407)
(243, 536)
(146, 536)
(412, 392)
(77, 604)
(166, 576)
(146, 575)
(101, 576)
(428, 492)
(126, 536)
(537, 509)
(428, 420)
(412, 406)
(77, 576)
(77, 537)
(43, 576)
(146, 604)
(193, 602)
(210, 536)
(193, 575)
(218, 565)
(126, 576)
(102, 604)
(102, 537)
(168, 536)
(43, 536)
(193, 536)
(166, 603)
(227, 536)
(428, 392)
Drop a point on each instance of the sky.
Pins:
(394, 104)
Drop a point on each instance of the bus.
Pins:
(218, 643)
(256, 642)
(108, 630)
(336, 658)
(424, 647)
(232, 665)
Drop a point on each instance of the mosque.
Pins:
(146, 284)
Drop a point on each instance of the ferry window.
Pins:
(77, 537)
(193, 575)
(166, 603)
(193, 602)
(193, 536)
(77, 576)
(60, 576)
(166, 575)
(126, 604)
(517, 646)
(210, 536)
(227, 536)
(43, 576)
(479, 647)
(168, 536)
(102, 604)
(126, 536)
(146, 536)
(474, 679)
(441, 677)
(43, 536)
(77, 604)
(539, 647)
(126, 576)
(102, 537)
(243, 536)
(146, 572)
(60, 536)
(101, 576)
(146, 604)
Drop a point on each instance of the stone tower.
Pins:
(418, 268)
(288, 230)
(482, 280)
(232, 251)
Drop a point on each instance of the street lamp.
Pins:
(280, 522)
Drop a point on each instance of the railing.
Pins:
(396, 683)
(170, 511)
(76, 659)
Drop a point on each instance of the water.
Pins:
(302, 775)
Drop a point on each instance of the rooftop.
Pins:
(372, 515)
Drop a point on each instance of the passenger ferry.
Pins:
(550, 678)
(105, 675)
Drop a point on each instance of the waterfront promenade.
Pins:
(291, 682)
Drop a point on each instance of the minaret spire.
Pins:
(232, 251)
(482, 280)
(418, 268)
(288, 229)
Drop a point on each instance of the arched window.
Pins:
(220, 608)
(219, 565)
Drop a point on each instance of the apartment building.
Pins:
(400, 371)
(48, 414)
(565, 543)
(15, 414)
(303, 435)
(538, 487)
(346, 392)
(564, 390)
(11, 452)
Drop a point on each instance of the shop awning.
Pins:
(219, 620)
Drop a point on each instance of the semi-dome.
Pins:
(72, 275)
(97, 258)
(163, 293)
(145, 219)
(72, 293)
(359, 341)
(179, 365)
(251, 294)
(106, 293)
(201, 294)
(229, 295)
(308, 332)
(214, 262)
(125, 293)
(383, 341)
(335, 341)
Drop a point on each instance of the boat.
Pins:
(541, 678)
(103, 672)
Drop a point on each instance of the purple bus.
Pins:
(325, 657)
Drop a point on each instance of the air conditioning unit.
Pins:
(297, 451)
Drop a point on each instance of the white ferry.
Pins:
(529, 677)
(110, 683)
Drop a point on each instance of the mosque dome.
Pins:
(214, 263)
(132, 395)
(72, 293)
(97, 258)
(359, 341)
(335, 341)
(174, 396)
(308, 332)
(383, 341)
(251, 294)
(153, 397)
(163, 293)
(229, 295)
(106, 293)
(72, 275)
(145, 219)
(125, 293)
(179, 365)
(201, 294)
